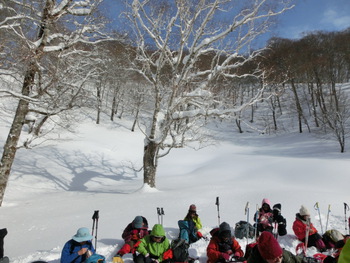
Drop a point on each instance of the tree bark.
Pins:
(10, 147)
(150, 163)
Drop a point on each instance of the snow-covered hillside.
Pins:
(55, 188)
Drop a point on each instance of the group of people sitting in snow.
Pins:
(152, 246)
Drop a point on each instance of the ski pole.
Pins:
(158, 213)
(95, 217)
(256, 222)
(346, 208)
(308, 222)
(246, 212)
(316, 206)
(217, 203)
(162, 214)
(329, 210)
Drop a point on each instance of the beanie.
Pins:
(277, 207)
(193, 208)
(138, 221)
(303, 211)
(268, 246)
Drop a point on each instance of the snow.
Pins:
(55, 188)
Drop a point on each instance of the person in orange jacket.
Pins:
(300, 227)
(223, 246)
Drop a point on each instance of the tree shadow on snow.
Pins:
(75, 171)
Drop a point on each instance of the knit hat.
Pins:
(268, 246)
(303, 211)
(192, 208)
(277, 207)
(83, 234)
(224, 230)
(138, 222)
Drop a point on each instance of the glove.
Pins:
(237, 255)
(225, 256)
(199, 234)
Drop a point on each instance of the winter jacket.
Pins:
(70, 251)
(288, 257)
(299, 228)
(264, 217)
(154, 249)
(216, 248)
(135, 234)
(196, 220)
(344, 256)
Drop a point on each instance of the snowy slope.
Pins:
(55, 188)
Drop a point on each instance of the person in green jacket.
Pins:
(267, 250)
(344, 256)
(154, 248)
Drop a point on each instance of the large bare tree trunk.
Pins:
(10, 147)
(150, 163)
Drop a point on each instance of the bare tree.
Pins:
(53, 37)
(184, 49)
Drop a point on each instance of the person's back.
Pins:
(344, 256)
(268, 250)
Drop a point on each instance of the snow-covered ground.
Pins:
(55, 188)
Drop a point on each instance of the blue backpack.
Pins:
(96, 258)
(188, 231)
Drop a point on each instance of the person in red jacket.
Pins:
(133, 232)
(223, 246)
(300, 227)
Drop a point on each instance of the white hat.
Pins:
(303, 211)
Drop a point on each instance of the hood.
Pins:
(158, 231)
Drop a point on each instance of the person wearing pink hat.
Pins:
(264, 217)
(268, 250)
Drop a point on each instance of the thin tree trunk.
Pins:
(10, 147)
(297, 105)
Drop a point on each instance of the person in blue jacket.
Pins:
(79, 248)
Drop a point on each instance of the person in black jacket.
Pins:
(279, 222)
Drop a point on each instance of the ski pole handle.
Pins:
(316, 206)
(95, 216)
(246, 208)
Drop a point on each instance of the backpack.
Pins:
(243, 228)
(332, 236)
(95, 258)
(179, 247)
(188, 231)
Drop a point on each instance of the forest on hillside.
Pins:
(178, 68)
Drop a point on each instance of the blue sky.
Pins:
(311, 15)
(306, 16)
